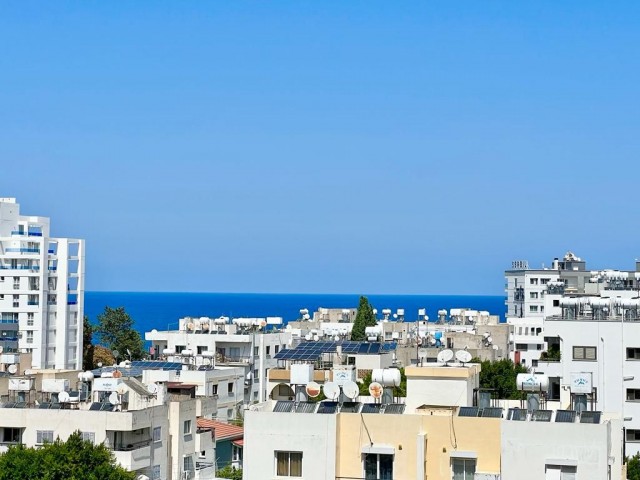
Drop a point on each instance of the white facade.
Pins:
(229, 344)
(312, 435)
(41, 290)
(540, 450)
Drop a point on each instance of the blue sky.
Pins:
(377, 147)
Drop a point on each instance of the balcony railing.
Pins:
(72, 303)
(128, 447)
(8, 320)
(22, 250)
(20, 267)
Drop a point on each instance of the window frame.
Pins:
(584, 349)
(288, 473)
(377, 460)
(186, 427)
(40, 436)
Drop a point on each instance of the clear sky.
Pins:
(361, 146)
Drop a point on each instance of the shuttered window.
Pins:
(584, 353)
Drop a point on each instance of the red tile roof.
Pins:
(239, 443)
(222, 431)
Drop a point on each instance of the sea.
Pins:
(162, 310)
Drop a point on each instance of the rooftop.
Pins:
(223, 431)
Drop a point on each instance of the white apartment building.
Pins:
(599, 342)
(41, 290)
(241, 342)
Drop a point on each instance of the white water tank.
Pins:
(532, 382)
(387, 377)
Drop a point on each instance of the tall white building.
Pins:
(41, 290)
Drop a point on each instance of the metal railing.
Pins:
(121, 447)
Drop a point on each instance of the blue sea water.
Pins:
(162, 310)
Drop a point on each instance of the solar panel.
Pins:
(370, 408)
(541, 416)
(283, 406)
(491, 412)
(350, 407)
(328, 407)
(565, 416)
(517, 414)
(44, 405)
(106, 407)
(588, 416)
(394, 408)
(469, 412)
(95, 406)
(20, 405)
(56, 406)
(9, 405)
(306, 407)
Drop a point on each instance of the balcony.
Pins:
(32, 303)
(22, 250)
(204, 470)
(134, 456)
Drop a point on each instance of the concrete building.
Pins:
(41, 291)
(247, 343)
(436, 434)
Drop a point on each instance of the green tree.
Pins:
(87, 344)
(633, 467)
(500, 376)
(364, 318)
(116, 331)
(230, 472)
(74, 459)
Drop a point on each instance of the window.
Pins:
(542, 308)
(276, 348)
(256, 374)
(533, 281)
(29, 336)
(30, 319)
(533, 308)
(584, 353)
(633, 353)
(544, 281)
(230, 388)
(43, 436)
(236, 453)
(378, 466)
(534, 363)
(157, 434)
(88, 436)
(523, 347)
(289, 464)
(10, 435)
(215, 389)
(202, 454)
(633, 395)
(16, 301)
(560, 472)
(268, 350)
(633, 435)
(463, 468)
(256, 351)
(229, 413)
(188, 463)
(155, 472)
(556, 303)
(533, 295)
(187, 427)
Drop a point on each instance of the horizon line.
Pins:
(299, 293)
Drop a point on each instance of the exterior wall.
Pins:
(612, 373)
(112, 428)
(312, 434)
(441, 385)
(182, 444)
(421, 443)
(528, 446)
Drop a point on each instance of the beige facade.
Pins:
(420, 444)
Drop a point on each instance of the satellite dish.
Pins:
(313, 389)
(445, 356)
(63, 397)
(12, 369)
(375, 390)
(463, 356)
(114, 398)
(331, 390)
(121, 389)
(351, 389)
(152, 388)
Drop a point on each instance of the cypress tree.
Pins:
(364, 318)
